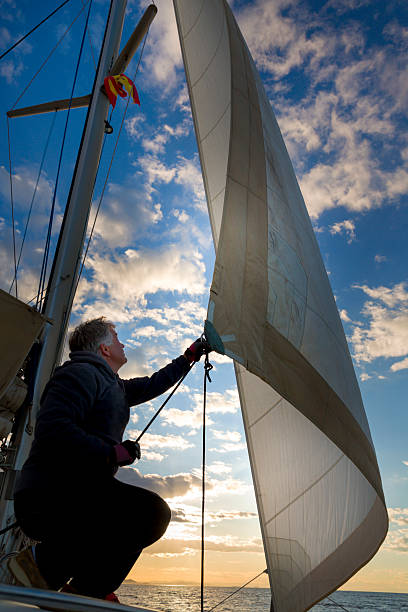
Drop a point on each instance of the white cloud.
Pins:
(124, 280)
(396, 541)
(133, 125)
(219, 467)
(347, 226)
(171, 547)
(181, 215)
(156, 441)
(121, 205)
(400, 365)
(277, 41)
(229, 436)
(398, 516)
(185, 172)
(176, 485)
(218, 403)
(344, 316)
(162, 55)
(387, 332)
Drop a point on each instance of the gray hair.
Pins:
(88, 336)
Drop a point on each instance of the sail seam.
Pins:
(197, 19)
(306, 490)
(217, 122)
(213, 55)
(267, 411)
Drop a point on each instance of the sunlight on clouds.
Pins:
(399, 516)
(219, 467)
(154, 441)
(397, 541)
(227, 543)
(229, 436)
(186, 418)
(125, 280)
(222, 403)
(400, 365)
(344, 316)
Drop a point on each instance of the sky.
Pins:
(336, 74)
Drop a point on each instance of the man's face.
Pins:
(117, 357)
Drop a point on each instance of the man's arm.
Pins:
(139, 390)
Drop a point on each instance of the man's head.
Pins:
(99, 336)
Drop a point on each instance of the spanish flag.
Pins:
(113, 87)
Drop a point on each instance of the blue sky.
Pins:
(336, 75)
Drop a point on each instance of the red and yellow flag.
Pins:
(113, 87)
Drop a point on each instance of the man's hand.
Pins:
(127, 452)
(197, 350)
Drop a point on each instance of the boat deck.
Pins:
(21, 599)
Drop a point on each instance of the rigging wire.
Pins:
(31, 31)
(265, 571)
(48, 239)
(51, 129)
(12, 205)
(49, 55)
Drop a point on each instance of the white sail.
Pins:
(316, 477)
(20, 326)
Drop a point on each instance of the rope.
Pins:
(164, 403)
(12, 204)
(48, 239)
(265, 571)
(9, 527)
(49, 55)
(33, 30)
(207, 368)
(32, 200)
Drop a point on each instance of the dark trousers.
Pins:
(92, 535)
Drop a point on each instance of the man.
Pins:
(91, 528)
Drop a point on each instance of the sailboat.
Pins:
(271, 309)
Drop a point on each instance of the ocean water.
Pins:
(175, 598)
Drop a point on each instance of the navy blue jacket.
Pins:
(84, 412)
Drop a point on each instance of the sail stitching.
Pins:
(198, 17)
(306, 490)
(267, 411)
(217, 122)
(213, 55)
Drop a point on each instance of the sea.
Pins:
(178, 598)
